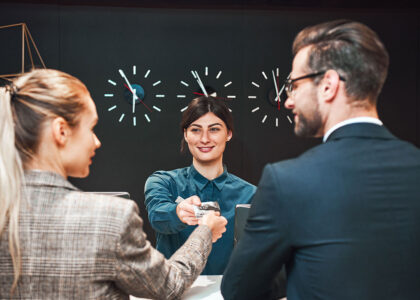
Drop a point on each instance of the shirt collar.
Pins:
(201, 181)
(351, 121)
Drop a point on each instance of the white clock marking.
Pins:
(156, 83)
(263, 120)
(265, 76)
(227, 84)
(156, 108)
(109, 95)
(184, 83)
(147, 74)
(121, 118)
(111, 82)
(147, 117)
(112, 108)
(255, 84)
(218, 74)
(255, 109)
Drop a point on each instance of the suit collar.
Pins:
(46, 178)
(361, 130)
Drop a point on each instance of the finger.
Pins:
(195, 200)
(189, 208)
(191, 221)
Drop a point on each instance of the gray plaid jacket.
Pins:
(78, 245)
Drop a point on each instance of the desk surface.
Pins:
(205, 287)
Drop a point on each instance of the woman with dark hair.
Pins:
(57, 242)
(172, 197)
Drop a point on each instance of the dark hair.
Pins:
(201, 106)
(353, 50)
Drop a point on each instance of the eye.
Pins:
(195, 130)
(214, 129)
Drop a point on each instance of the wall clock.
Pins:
(267, 97)
(206, 81)
(134, 95)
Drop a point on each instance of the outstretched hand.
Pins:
(185, 210)
(216, 223)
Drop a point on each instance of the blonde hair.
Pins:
(11, 176)
(25, 105)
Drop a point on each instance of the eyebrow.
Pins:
(211, 125)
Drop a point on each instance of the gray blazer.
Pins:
(77, 245)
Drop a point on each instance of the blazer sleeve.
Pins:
(263, 247)
(143, 271)
(160, 205)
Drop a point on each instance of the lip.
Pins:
(205, 149)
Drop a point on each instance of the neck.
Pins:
(353, 110)
(210, 170)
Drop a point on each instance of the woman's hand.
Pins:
(185, 210)
(216, 223)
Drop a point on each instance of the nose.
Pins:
(97, 142)
(290, 103)
(205, 137)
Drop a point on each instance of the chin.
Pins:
(80, 174)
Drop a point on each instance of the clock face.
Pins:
(208, 82)
(267, 96)
(134, 95)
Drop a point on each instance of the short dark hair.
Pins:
(202, 105)
(353, 50)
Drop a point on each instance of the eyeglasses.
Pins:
(289, 82)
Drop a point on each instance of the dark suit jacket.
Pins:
(344, 217)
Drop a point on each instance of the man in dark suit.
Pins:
(344, 217)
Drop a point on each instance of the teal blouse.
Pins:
(162, 189)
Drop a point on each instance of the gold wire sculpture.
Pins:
(25, 39)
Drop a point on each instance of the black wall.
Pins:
(92, 42)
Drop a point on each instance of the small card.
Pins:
(205, 208)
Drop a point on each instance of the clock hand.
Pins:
(134, 95)
(128, 83)
(201, 94)
(134, 101)
(200, 83)
(281, 91)
(275, 86)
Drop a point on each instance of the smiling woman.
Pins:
(170, 196)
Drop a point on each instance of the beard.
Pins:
(310, 123)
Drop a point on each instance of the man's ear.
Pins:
(329, 85)
(60, 131)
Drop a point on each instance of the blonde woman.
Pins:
(71, 244)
